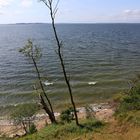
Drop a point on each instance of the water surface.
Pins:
(106, 54)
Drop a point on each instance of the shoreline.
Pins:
(102, 111)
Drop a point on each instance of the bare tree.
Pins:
(53, 10)
(33, 52)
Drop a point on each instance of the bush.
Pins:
(129, 108)
(131, 101)
(23, 116)
(32, 128)
(67, 115)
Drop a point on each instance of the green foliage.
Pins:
(131, 117)
(129, 108)
(5, 138)
(68, 131)
(117, 98)
(67, 115)
(24, 111)
(131, 101)
(93, 123)
(23, 115)
(32, 129)
(30, 50)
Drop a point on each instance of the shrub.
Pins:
(32, 128)
(129, 108)
(131, 101)
(23, 115)
(67, 115)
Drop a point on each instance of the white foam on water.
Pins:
(47, 83)
(92, 83)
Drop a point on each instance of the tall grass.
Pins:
(67, 131)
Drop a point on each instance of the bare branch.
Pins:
(46, 3)
(55, 8)
(54, 12)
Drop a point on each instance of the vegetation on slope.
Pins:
(129, 107)
(66, 131)
(126, 126)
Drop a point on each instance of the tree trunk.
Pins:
(48, 110)
(45, 107)
(48, 3)
(62, 64)
(24, 127)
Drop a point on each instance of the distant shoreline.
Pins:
(63, 23)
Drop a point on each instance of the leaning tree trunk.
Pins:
(24, 127)
(64, 72)
(48, 3)
(48, 110)
(45, 107)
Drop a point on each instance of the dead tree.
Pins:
(53, 11)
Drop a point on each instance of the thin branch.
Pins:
(45, 2)
(54, 12)
(55, 8)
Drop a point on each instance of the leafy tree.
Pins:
(23, 115)
(33, 53)
(53, 10)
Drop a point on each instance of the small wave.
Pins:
(92, 83)
(47, 83)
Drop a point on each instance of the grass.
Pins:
(114, 131)
(67, 131)
(126, 124)
(132, 117)
(97, 131)
(129, 108)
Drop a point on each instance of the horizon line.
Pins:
(70, 23)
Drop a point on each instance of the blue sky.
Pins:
(71, 11)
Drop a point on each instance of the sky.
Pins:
(71, 11)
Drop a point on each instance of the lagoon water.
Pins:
(100, 58)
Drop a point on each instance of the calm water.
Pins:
(106, 54)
